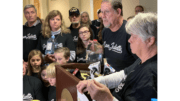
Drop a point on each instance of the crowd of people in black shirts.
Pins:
(130, 47)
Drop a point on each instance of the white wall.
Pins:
(63, 6)
(149, 5)
(128, 7)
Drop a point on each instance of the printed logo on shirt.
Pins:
(30, 36)
(27, 97)
(56, 46)
(120, 86)
(52, 100)
(75, 38)
(81, 59)
(113, 47)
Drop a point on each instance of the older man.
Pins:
(31, 30)
(116, 47)
(138, 82)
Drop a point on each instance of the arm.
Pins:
(38, 90)
(112, 80)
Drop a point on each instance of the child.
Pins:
(35, 61)
(45, 82)
(51, 75)
(62, 55)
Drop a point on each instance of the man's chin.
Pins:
(74, 23)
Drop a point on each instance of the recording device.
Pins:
(108, 69)
(95, 68)
(76, 73)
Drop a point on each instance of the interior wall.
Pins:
(149, 5)
(128, 7)
(85, 6)
(63, 6)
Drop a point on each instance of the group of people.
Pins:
(130, 47)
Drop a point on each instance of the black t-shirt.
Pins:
(96, 23)
(32, 87)
(74, 33)
(35, 75)
(30, 39)
(52, 93)
(116, 48)
(94, 29)
(81, 58)
(140, 83)
(64, 40)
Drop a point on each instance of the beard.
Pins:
(74, 23)
(107, 26)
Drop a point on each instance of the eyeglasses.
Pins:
(76, 15)
(83, 32)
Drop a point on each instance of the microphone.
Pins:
(95, 68)
(108, 69)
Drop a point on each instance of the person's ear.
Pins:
(151, 41)
(67, 59)
(118, 11)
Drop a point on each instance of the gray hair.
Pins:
(115, 4)
(143, 25)
(89, 21)
(29, 6)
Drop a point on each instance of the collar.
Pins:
(56, 32)
(37, 22)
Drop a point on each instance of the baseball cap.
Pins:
(74, 10)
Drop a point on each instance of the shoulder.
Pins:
(33, 80)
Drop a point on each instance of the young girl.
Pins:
(51, 75)
(35, 61)
(54, 25)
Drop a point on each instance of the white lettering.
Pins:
(113, 47)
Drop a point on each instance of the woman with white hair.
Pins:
(137, 82)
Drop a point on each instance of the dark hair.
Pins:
(99, 11)
(80, 45)
(39, 75)
(100, 31)
(140, 7)
(115, 5)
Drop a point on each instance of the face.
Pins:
(35, 61)
(52, 81)
(84, 18)
(84, 34)
(109, 15)
(74, 18)
(43, 75)
(136, 44)
(60, 58)
(55, 23)
(30, 15)
(100, 16)
(138, 9)
(24, 69)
